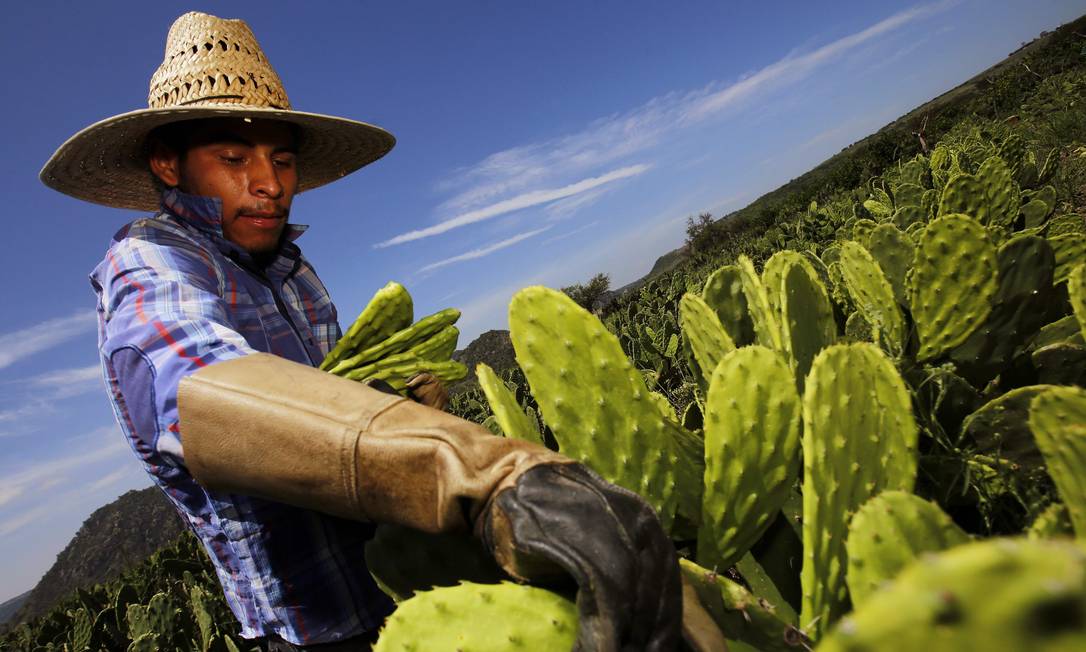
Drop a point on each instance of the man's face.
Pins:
(249, 165)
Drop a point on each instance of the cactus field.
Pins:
(864, 426)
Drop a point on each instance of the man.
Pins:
(280, 469)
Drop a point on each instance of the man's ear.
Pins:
(165, 163)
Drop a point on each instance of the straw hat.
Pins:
(212, 68)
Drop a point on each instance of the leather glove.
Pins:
(428, 389)
(266, 426)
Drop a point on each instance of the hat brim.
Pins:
(106, 163)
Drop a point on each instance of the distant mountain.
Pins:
(492, 347)
(8, 609)
(113, 539)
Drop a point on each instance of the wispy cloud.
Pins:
(107, 442)
(64, 383)
(563, 236)
(533, 198)
(26, 342)
(483, 251)
(610, 139)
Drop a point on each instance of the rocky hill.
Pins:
(114, 538)
(492, 347)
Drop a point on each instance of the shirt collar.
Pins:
(205, 213)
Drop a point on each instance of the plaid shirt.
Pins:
(174, 296)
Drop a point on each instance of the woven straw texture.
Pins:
(212, 68)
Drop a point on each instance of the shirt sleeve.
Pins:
(164, 317)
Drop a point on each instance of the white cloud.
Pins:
(39, 337)
(107, 442)
(611, 138)
(64, 383)
(563, 236)
(483, 251)
(533, 198)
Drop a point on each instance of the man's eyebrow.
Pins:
(234, 138)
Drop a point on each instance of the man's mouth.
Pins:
(263, 220)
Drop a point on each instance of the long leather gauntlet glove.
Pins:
(265, 426)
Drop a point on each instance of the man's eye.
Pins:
(284, 162)
(230, 158)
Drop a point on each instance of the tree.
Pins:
(586, 294)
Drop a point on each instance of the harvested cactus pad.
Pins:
(481, 618)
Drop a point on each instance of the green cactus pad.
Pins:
(751, 451)
(953, 282)
(1070, 250)
(893, 250)
(404, 561)
(723, 292)
(1060, 364)
(504, 405)
(1026, 265)
(862, 229)
(388, 311)
(1000, 190)
(402, 340)
(873, 295)
(1001, 427)
(1034, 213)
(741, 615)
(702, 328)
(1064, 224)
(806, 317)
(859, 438)
(1076, 291)
(965, 194)
(999, 594)
(1058, 420)
(908, 194)
(1052, 523)
(887, 533)
(616, 428)
(472, 617)
(767, 329)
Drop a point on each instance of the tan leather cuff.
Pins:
(265, 426)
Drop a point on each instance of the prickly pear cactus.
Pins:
(752, 419)
(389, 310)
(1052, 523)
(965, 194)
(1000, 191)
(767, 329)
(1001, 427)
(739, 614)
(873, 296)
(806, 317)
(859, 438)
(504, 405)
(1058, 420)
(481, 618)
(702, 328)
(404, 340)
(1070, 250)
(80, 630)
(953, 282)
(723, 292)
(617, 428)
(1076, 291)
(893, 250)
(404, 561)
(999, 594)
(887, 533)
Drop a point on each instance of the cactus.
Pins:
(1076, 292)
(908, 194)
(1034, 213)
(388, 311)
(80, 630)
(1026, 265)
(740, 615)
(893, 250)
(953, 282)
(1064, 224)
(887, 533)
(806, 317)
(1001, 427)
(859, 437)
(404, 561)
(200, 601)
(491, 617)
(1063, 363)
(1000, 191)
(862, 229)
(708, 338)
(506, 409)
(617, 429)
(1000, 594)
(965, 194)
(873, 296)
(402, 340)
(1058, 420)
(156, 618)
(723, 292)
(1052, 523)
(751, 451)
(767, 329)
(1070, 250)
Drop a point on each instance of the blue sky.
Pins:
(537, 144)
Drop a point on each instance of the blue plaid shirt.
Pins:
(174, 296)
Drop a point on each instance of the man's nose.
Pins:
(264, 179)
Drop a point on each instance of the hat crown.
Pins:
(214, 61)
